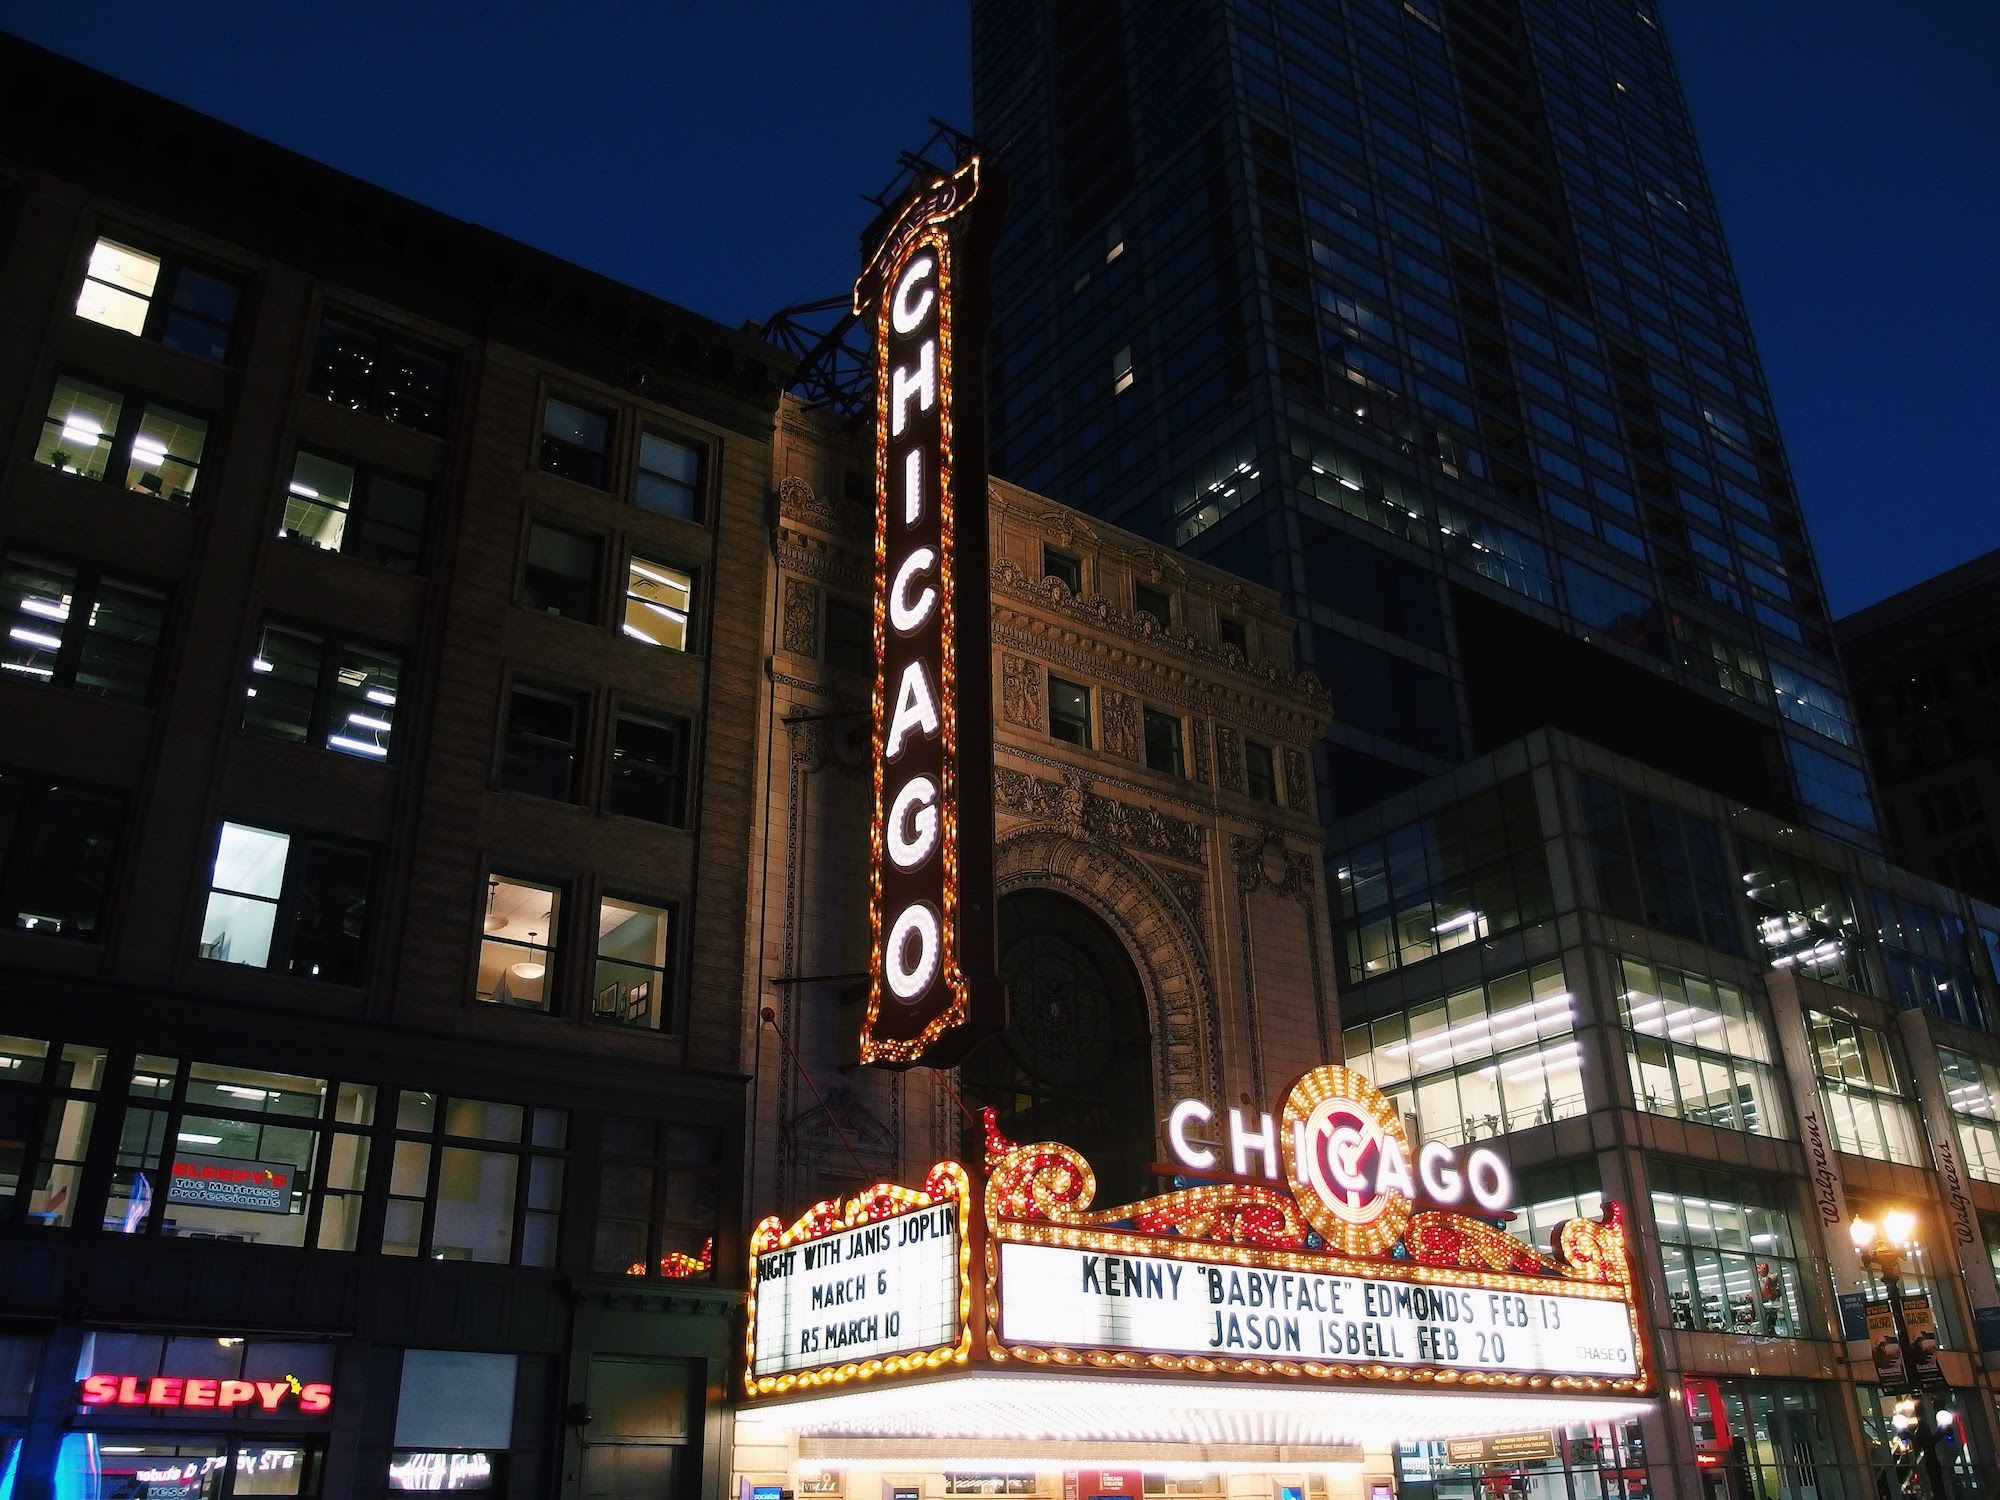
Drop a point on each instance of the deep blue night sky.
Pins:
(715, 155)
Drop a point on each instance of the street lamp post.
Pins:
(1883, 1250)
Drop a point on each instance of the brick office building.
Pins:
(382, 600)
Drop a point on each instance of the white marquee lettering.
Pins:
(1439, 1177)
(913, 487)
(906, 615)
(909, 974)
(919, 382)
(914, 809)
(1187, 1112)
(1392, 1173)
(916, 708)
(1243, 1141)
(1492, 1185)
(906, 316)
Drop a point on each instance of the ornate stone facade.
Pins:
(1231, 948)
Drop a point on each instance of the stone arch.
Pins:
(1168, 952)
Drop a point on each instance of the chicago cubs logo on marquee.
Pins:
(931, 960)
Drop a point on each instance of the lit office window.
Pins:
(164, 300)
(634, 942)
(475, 1180)
(519, 945)
(1699, 1050)
(1481, 1062)
(1806, 917)
(1867, 1105)
(346, 508)
(57, 1088)
(1972, 1089)
(314, 687)
(71, 625)
(123, 439)
(295, 903)
(658, 598)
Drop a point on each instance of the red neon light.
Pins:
(196, 1392)
(190, 1170)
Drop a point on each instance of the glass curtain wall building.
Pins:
(1420, 312)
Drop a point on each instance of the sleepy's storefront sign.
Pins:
(997, 1309)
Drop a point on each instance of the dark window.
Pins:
(561, 573)
(1370, 584)
(649, 767)
(57, 845)
(1260, 777)
(635, 943)
(850, 636)
(1230, 632)
(293, 902)
(1386, 695)
(1947, 809)
(313, 687)
(658, 1195)
(343, 507)
(122, 438)
(365, 369)
(1149, 601)
(544, 736)
(669, 477)
(1350, 780)
(160, 298)
(1928, 955)
(74, 626)
(1061, 565)
(1657, 866)
(576, 441)
(1163, 742)
(1075, 1064)
(1069, 711)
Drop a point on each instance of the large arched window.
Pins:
(1075, 1064)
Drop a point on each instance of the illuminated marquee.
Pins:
(194, 1391)
(1354, 1267)
(931, 912)
(881, 1284)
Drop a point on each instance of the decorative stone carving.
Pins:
(1187, 890)
(1020, 691)
(1265, 864)
(1169, 950)
(811, 745)
(1087, 814)
(1121, 724)
(800, 628)
(1229, 758)
(798, 501)
(1198, 738)
(1298, 782)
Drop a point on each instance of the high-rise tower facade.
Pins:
(1420, 311)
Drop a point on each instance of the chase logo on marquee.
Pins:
(1347, 1156)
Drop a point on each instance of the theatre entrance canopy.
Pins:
(1311, 1287)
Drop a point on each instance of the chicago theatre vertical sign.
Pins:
(931, 989)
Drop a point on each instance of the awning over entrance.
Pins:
(1031, 1419)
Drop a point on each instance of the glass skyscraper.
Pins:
(1419, 311)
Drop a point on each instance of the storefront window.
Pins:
(242, 1154)
(1729, 1252)
(1787, 1443)
(1890, 1472)
(118, 1465)
(1805, 917)
(1867, 1105)
(473, 1179)
(1471, 871)
(1699, 1049)
(1972, 1089)
(1499, 1056)
(48, 1102)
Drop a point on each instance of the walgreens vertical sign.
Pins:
(931, 988)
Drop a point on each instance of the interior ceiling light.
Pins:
(1038, 1408)
(494, 922)
(529, 968)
